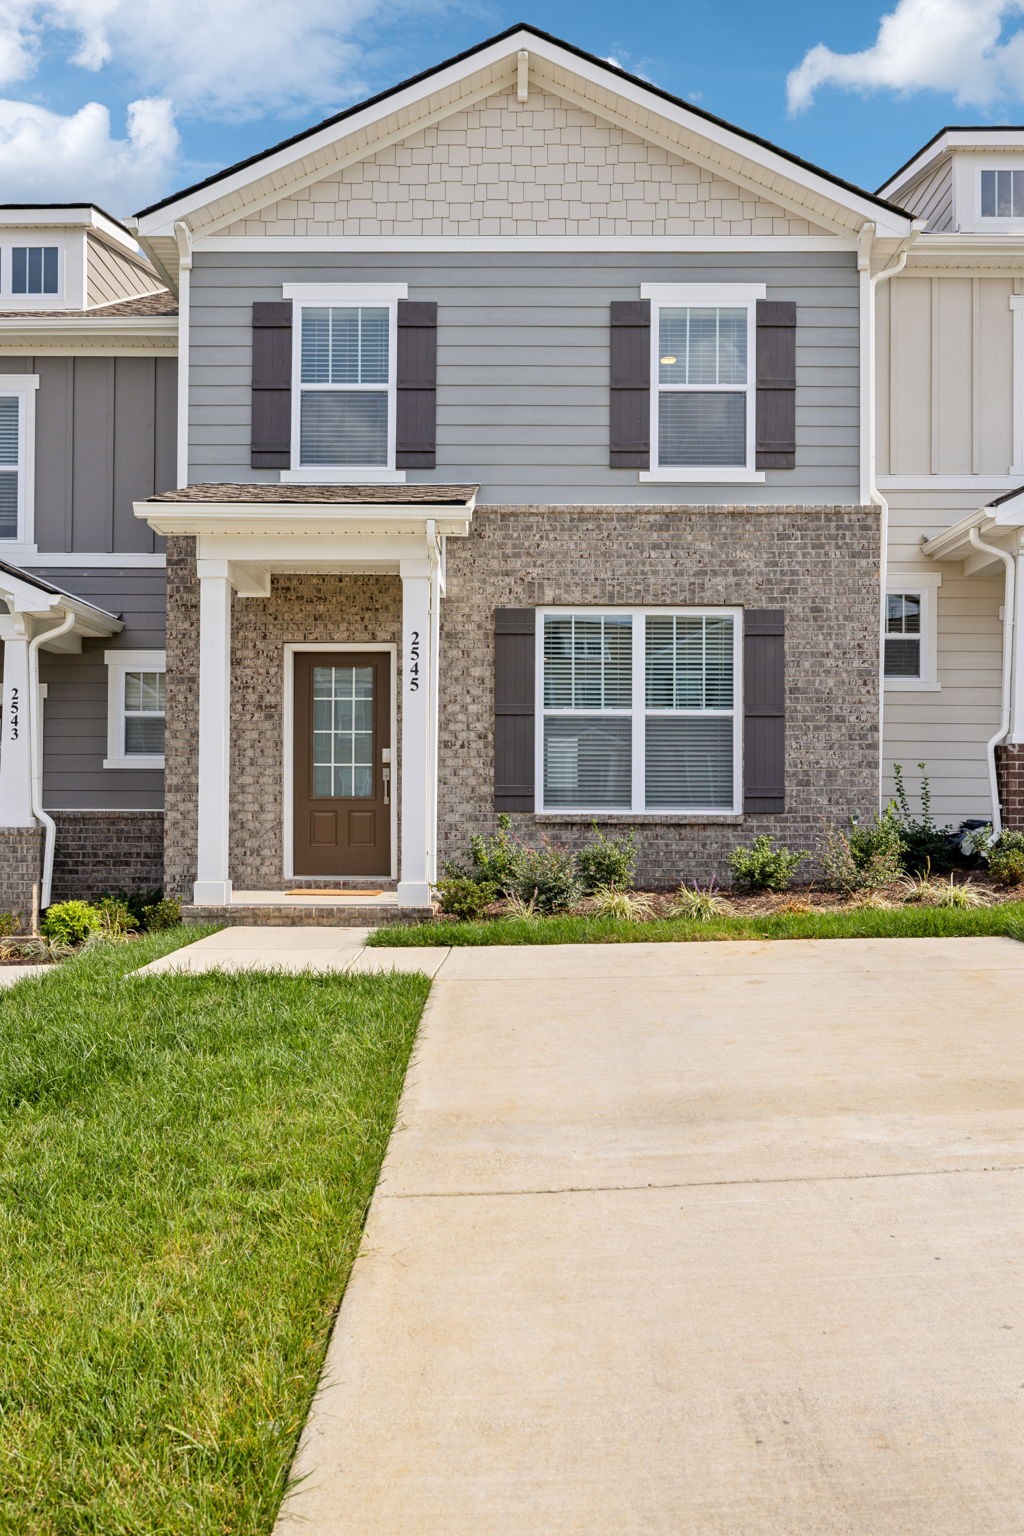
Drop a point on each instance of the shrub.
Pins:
(1006, 859)
(764, 866)
(698, 905)
(497, 860)
(70, 922)
(115, 918)
(464, 898)
(925, 846)
(607, 862)
(630, 906)
(165, 913)
(9, 924)
(549, 878)
(942, 893)
(864, 858)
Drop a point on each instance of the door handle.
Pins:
(387, 784)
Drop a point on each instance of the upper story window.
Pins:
(17, 451)
(35, 270)
(639, 711)
(703, 354)
(344, 386)
(1002, 194)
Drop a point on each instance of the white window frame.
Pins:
(967, 169)
(356, 295)
(24, 386)
(30, 241)
(639, 714)
(118, 664)
(924, 586)
(1017, 312)
(708, 295)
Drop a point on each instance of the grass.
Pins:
(185, 1167)
(914, 922)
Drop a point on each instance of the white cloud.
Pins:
(45, 157)
(953, 46)
(232, 59)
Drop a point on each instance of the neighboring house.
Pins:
(88, 333)
(524, 462)
(950, 464)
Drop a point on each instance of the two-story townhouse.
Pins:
(88, 333)
(950, 468)
(523, 463)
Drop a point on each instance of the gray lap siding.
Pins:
(523, 365)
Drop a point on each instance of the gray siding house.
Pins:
(519, 457)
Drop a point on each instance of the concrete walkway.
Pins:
(691, 1240)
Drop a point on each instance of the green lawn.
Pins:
(909, 922)
(185, 1167)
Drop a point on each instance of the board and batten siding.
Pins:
(945, 375)
(523, 366)
(105, 437)
(947, 728)
(75, 711)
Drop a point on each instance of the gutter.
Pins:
(1010, 566)
(36, 737)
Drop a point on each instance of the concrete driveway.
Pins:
(691, 1240)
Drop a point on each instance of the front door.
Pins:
(342, 743)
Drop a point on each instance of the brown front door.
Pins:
(342, 733)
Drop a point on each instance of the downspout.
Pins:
(36, 736)
(1009, 596)
(875, 496)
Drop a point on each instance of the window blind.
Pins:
(9, 461)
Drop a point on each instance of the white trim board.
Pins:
(291, 648)
(59, 561)
(982, 483)
(497, 243)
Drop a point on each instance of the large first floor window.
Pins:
(639, 710)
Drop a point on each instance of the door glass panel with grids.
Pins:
(342, 790)
(343, 732)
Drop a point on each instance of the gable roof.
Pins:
(973, 136)
(503, 47)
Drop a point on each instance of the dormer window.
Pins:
(35, 269)
(1002, 194)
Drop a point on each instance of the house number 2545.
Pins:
(414, 662)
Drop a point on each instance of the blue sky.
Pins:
(121, 101)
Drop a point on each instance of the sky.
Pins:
(120, 102)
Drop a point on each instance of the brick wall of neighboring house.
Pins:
(98, 851)
(21, 863)
(819, 564)
(1010, 774)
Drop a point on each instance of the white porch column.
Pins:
(16, 746)
(1016, 735)
(212, 886)
(418, 766)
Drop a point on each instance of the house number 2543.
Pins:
(414, 662)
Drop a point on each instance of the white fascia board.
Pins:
(161, 221)
(298, 523)
(86, 325)
(499, 243)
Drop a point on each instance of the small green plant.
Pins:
(606, 862)
(466, 899)
(927, 889)
(764, 866)
(161, 914)
(1006, 858)
(863, 858)
(873, 899)
(628, 906)
(116, 920)
(700, 906)
(70, 922)
(925, 846)
(496, 860)
(9, 924)
(523, 911)
(549, 877)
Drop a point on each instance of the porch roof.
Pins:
(30, 597)
(999, 520)
(320, 495)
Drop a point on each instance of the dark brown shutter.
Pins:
(630, 426)
(514, 665)
(764, 710)
(416, 429)
(272, 385)
(776, 384)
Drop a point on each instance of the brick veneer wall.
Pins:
(1010, 776)
(819, 564)
(21, 864)
(97, 851)
(310, 609)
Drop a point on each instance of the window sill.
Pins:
(11, 550)
(641, 818)
(910, 685)
(702, 476)
(133, 762)
(325, 475)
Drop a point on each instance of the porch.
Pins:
(302, 697)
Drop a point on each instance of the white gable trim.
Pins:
(357, 243)
(279, 170)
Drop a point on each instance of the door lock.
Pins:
(385, 757)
